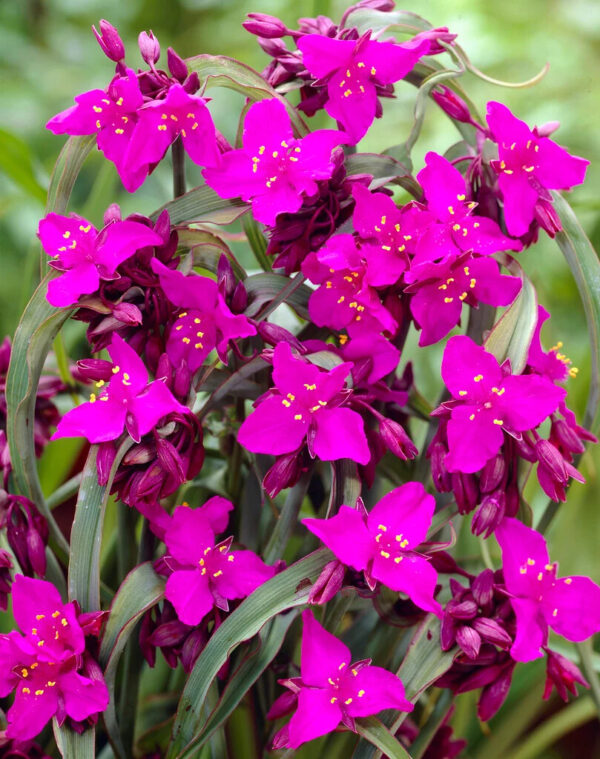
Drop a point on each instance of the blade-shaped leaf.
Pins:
(140, 591)
(284, 591)
(369, 18)
(207, 248)
(16, 162)
(66, 170)
(263, 288)
(385, 169)
(380, 737)
(584, 263)
(202, 204)
(72, 745)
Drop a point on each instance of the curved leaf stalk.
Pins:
(499, 82)
(586, 655)
(379, 736)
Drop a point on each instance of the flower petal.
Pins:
(380, 689)
(346, 535)
(189, 534)
(572, 608)
(340, 434)
(408, 509)
(315, 715)
(273, 428)
(83, 696)
(323, 655)
(188, 591)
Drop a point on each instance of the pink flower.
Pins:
(205, 321)
(383, 542)
(489, 401)
(127, 401)
(85, 256)
(353, 70)
(274, 170)
(331, 690)
(569, 605)
(529, 164)
(206, 574)
(305, 405)
(42, 664)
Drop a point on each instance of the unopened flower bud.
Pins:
(225, 277)
(283, 474)
(5, 578)
(466, 492)
(110, 41)
(104, 461)
(192, 648)
(492, 632)
(169, 634)
(489, 514)
(91, 622)
(396, 440)
(328, 583)
(552, 459)
(191, 84)
(492, 474)
(239, 300)
(562, 674)
(273, 334)
(482, 587)
(36, 551)
(94, 370)
(466, 609)
(441, 477)
(566, 437)
(547, 217)
(149, 47)
(494, 694)
(182, 380)
(177, 66)
(469, 640)
(263, 25)
(452, 104)
(112, 213)
(545, 130)
(128, 313)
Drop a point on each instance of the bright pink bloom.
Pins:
(528, 165)
(383, 542)
(206, 574)
(42, 664)
(274, 170)
(205, 321)
(127, 401)
(570, 605)
(344, 297)
(331, 689)
(305, 405)
(442, 288)
(161, 122)
(552, 364)
(353, 69)
(85, 255)
(488, 401)
(112, 114)
(456, 229)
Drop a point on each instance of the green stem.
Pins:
(287, 520)
(586, 654)
(485, 553)
(257, 242)
(562, 723)
(65, 491)
(178, 156)
(126, 540)
(62, 363)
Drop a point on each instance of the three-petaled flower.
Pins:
(305, 404)
(569, 605)
(331, 689)
(206, 574)
(529, 164)
(488, 402)
(383, 542)
(42, 665)
(274, 170)
(127, 401)
(85, 256)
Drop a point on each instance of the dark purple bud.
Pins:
(139, 454)
(263, 25)
(482, 587)
(36, 551)
(177, 66)
(127, 313)
(447, 632)
(442, 480)
(283, 474)
(492, 474)
(525, 449)
(492, 632)
(562, 674)
(466, 609)
(149, 47)
(94, 369)
(493, 695)
(547, 217)
(239, 301)
(443, 562)
(194, 643)
(452, 104)
(328, 583)
(469, 640)
(162, 226)
(191, 83)
(281, 739)
(5, 578)
(91, 622)
(465, 491)
(284, 705)
(170, 460)
(273, 334)
(164, 370)
(225, 277)
(552, 459)
(489, 514)
(104, 461)
(566, 437)
(396, 440)
(273, 47)
(182, 381)
(110, 41)
(112, 213)
(169, 634)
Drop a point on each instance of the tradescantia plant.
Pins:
(287, 500)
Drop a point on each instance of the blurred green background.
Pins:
(48, 54)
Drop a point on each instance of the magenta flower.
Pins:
(127, 401)
(274, 170)
(487, 402)
(389, 235)
(569, 605)
(383, 542)
(529, 164)
(305, 405)
(344, 298)
(331, 690)
(206, 574)
(42, 664)
(456, 229)
(442, 288)
(205, 321)
(353, 69)
(112, 114)
(85, 256)
(161, 122)
(553, 363)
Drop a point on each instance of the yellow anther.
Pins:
(24, 672)
(382, 527)
(275, 153)
(97, 108)
(448, 300)
(40, 643)
(354, 672)
(287, 404)
(291, 396)
(451, 210)
(456, 227)
(162, 127)
(385, 247)
(540, 576)
(100, 383)
(360, 693)
(472, 283)
(342, 665)
(531, 562)
(462, 296)
(461, 197)
(462, 392)
(523, 570)
(568, 580)
(218, 573)
(398, 559)
(116, 369)
(26, 691)
(64, 622)
(198, 346)
(174, 118)
(186, 340)
(385, 554)
(499, 422)
(555, 612)
(333, 700)
(120, 101)
(373, 70)
(310, 387)
(298, 417)
(51, 683)
(478, 377)
(472, 417)
(39, 692)
(348, 701)
(231, 557)
(119, 131)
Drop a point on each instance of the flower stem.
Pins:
(586, 652)
(178, 156)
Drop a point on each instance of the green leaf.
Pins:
(140, 591)
(72, 745)
(377, 21)
(86, 532)
(16, 162)
(207, 248)
(263, 288)
(222, 71)
(511, 336)
(286, 590)
(66, 170)
(385, 168)
(379, 736)
(585, 266)
(270, 639)
(202, 204)
(257, 242)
